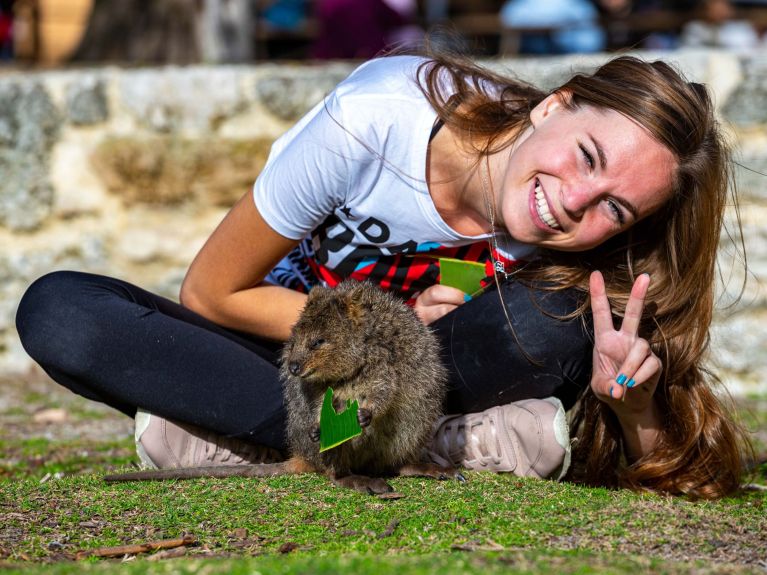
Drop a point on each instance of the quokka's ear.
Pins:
(347, 306)
(355, 310)
(317, 292)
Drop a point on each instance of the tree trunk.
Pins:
(227, 30)
(142, 31)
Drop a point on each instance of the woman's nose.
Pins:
(576, 198)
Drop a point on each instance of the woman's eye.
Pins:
(588, 157)
(617, 211)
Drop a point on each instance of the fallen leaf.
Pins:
(391, 495)
(287, 547)
(389, 529)
(51, 415)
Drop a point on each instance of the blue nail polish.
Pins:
(620, 379)
(631, 383)
(466, 297)
(611, 391)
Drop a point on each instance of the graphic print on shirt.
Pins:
(405, 268)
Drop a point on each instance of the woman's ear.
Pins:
(551, 104)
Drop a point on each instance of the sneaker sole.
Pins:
(562, 435)
(142, 423)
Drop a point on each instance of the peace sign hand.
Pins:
(626, 371)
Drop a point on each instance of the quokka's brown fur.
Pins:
(367, 345)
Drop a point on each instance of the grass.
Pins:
(53, 503)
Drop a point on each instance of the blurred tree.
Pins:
(226, 32)
(143, 31)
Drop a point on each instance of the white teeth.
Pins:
(543, 208)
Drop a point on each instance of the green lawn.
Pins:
(53, 504)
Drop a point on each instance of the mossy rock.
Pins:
(171, 170)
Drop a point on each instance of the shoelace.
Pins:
(452, 444)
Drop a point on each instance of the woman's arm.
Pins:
(640, 430)
(225, 281)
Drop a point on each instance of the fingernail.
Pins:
(620, 379)
(466, 297)
(611, 391)
(631, 383)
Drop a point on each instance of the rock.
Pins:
(549, 72)
(29, 124)
(29, 121)
(745, 106)
(37, 120)
(69, 248)
(86, 101)
(751, 179)
(289, 93)
(739, 342)
(26, 195)
(191, 99)
(9, 95)
(77, 189)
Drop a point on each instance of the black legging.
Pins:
(113, 342)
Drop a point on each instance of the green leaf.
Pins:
(466, 276)
(336, 428)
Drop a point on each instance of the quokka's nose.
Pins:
(294, 368)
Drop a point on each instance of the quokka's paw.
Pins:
(364, 417)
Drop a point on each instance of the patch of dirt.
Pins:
(676, 530)
(24, 398)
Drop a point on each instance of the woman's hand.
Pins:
(626, 371)
(436, 301)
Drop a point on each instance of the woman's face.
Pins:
(578, 177)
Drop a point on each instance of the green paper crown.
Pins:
(336, 428)
(466, 276)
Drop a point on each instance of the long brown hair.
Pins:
(699, 451)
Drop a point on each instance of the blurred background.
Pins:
(54, 32)
(129, 127)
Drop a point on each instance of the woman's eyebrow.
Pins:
(600, 151)
(629, 206)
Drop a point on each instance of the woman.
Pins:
(409, 159)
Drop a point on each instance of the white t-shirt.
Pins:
(351, 178)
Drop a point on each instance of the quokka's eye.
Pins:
(316, 343)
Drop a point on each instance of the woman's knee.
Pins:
(48, 316)
(546, 329)
(520, 341)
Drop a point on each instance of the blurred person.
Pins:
(573, 23)
(436, 11)
(6, 29)
(717, 27)
(363, 28)
(285, 14)
(617, 8)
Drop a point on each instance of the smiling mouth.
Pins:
(542, 207)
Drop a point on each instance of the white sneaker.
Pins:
(527, 438)
(164, 444)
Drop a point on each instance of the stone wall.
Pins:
(126, 171)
